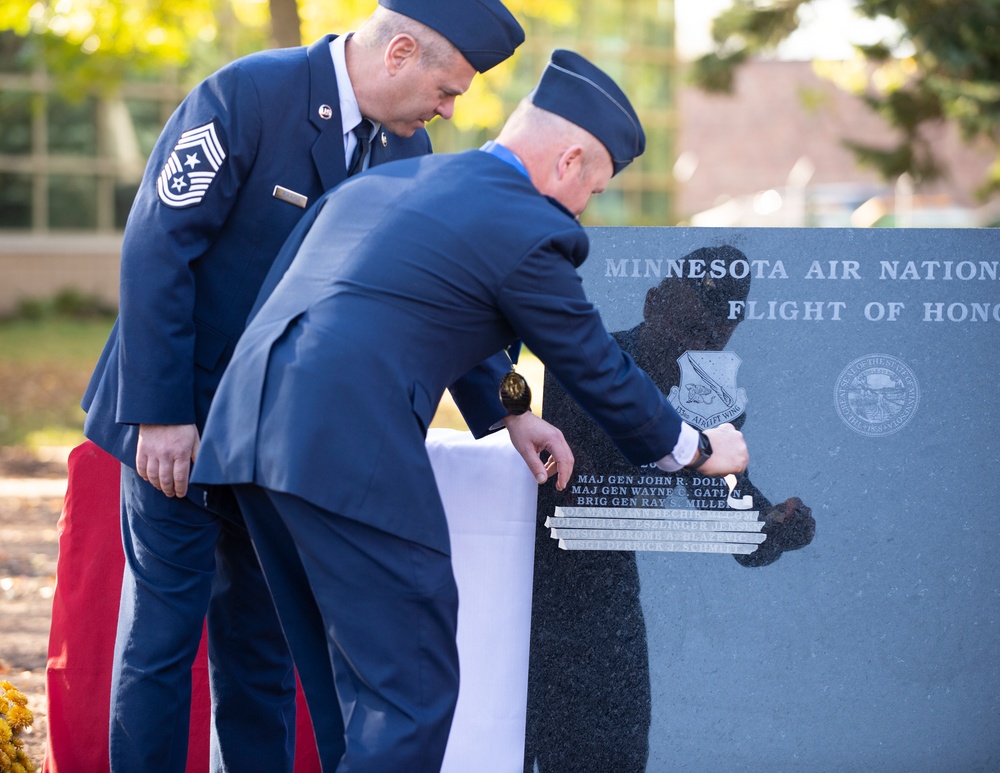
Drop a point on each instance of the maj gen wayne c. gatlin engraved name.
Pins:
(650, 491)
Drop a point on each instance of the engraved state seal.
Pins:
(877, 395)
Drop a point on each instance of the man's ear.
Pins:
(569, 161)
(402, 49)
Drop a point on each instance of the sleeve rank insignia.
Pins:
(191, 167)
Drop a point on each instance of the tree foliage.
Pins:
(944, 66)
(286, 25)
(89, 45)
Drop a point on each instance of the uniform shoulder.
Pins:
(270, 61)
(274, 76)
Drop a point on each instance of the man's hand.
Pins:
(164, 456)
(729, 451)
(531, 435)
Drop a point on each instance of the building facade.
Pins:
(73, 162)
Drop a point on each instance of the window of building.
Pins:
(634, 43)
(72, 163)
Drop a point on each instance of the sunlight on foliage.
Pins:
(116, 27)
(858, 75)
(252, 13)
(940, 62)
(98, 43)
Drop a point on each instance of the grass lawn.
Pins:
(45, 365)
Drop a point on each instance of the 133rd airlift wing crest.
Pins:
(191, 167)
(707, 395)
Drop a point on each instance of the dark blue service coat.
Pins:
(192, 266)
(410, 275)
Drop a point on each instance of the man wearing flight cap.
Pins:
(232, 173)
(458, 257)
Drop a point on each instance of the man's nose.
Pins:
(447, 108)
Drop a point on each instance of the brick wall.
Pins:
(781, 111)
(41, 266)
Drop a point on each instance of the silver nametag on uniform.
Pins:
(290, 196)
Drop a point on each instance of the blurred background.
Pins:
(781, 113)
(788, 113)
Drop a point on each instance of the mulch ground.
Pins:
(28, 550)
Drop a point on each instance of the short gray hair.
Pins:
(530, 120)
(436, 51)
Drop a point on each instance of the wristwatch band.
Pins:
(704, 452)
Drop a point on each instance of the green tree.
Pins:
(93, 45)
(286, 27)
(944, 66)
(89, 45)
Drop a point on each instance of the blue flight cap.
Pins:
(578, 91)
(484, 31)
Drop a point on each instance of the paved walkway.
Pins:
(32, 488)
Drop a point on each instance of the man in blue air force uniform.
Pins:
(231, 175)
(321, 418)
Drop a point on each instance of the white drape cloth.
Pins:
(489, 498)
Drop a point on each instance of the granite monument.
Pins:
(837, 606)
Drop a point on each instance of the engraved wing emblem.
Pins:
(708, 395)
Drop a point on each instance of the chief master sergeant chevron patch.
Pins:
(191, 167)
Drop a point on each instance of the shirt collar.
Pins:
(505, 154)
(350, 113)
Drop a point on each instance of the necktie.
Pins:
(363, 131)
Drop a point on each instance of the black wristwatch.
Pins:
(704, 452)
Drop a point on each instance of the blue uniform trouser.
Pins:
(385, 612)
(183, 562)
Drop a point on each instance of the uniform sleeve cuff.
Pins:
(684, 450)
